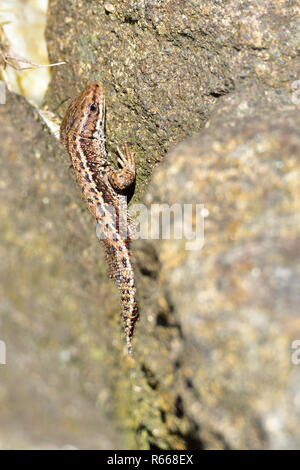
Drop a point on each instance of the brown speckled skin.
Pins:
(82, 134)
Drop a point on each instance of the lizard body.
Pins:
(82, 134)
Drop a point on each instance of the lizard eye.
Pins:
(94, 108)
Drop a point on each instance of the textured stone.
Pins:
(237, 299)
(50, 384)
(164, 64)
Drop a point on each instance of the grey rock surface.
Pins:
(237, 299)
(51, 383)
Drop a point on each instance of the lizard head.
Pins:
(85, 114)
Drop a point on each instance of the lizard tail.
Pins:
(129, 325)
(121, 272)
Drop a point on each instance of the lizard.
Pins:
(82, 133)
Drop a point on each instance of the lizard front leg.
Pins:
(124, 178)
